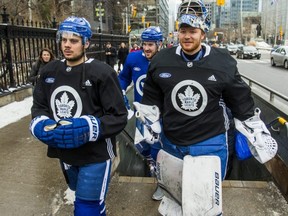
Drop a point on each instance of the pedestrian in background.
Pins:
(122, 55)
(74, 115)
(110, 53)
(135, 47)
(44, 57)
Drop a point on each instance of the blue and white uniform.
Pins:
(135, 69)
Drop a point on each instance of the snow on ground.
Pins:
(15, 111)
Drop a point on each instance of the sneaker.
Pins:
(158, 194)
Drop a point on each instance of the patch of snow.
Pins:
(15, 111)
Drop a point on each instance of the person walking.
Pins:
(122, 55)
(73, 114)
(44, 57)
(110, 53)
(191, 85)
(135, 70)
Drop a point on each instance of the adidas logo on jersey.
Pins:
(88, 83)
(212, 78)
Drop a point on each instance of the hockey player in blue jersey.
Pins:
(134, 70)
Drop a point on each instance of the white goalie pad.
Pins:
(150, 128)
(169, 174)
(261, 144)
(201, 186)
(169, 207)
(195, 183)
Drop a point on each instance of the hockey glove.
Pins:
(42, 128)
(263, 147)
(126, 101)
(149, 130)
(74, 132)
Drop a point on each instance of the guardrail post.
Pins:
(271, 97)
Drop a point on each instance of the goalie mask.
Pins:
(194, 13)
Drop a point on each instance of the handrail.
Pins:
(272, 92)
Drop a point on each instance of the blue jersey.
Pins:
(135, 69)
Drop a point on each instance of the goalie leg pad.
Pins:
(214, 146)
(201, 186)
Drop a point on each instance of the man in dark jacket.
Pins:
(110, 53)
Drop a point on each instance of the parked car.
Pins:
(232, 49)
(274, 48)
(248, 52)
(280, 56)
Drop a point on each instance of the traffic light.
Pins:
(129, 28)
(133, 11)
(148, 24)
(176, 25)
(143, 19)
(220, 2)
(281, 31)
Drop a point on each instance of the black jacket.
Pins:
(35, 71)
(111, 59)
(122, 54)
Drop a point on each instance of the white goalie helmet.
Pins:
(194, 14)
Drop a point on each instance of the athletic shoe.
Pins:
(158, 194)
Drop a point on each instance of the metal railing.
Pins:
(20, 46)
(274, 98)
(272, 93)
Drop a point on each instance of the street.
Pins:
(262, 72)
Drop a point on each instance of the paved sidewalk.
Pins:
(32, 185)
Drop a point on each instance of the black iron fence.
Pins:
(21, 43)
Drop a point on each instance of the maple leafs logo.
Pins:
(189, 100)
(64, 106)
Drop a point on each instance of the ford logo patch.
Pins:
(165, 75)
(49, 80)
(137, 69)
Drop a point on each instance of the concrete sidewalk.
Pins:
(32, 185)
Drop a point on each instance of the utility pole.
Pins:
(241, 21)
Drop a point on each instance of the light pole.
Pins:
(127, 15)
(241, 21)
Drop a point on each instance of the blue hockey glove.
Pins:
(74, 132)
(126, 101)
(42, 128)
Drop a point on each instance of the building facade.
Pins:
(274, 21)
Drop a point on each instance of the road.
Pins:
(261, 70)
